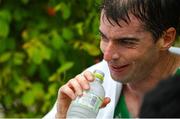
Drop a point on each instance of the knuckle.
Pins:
(71, 81)
(87, 73)
(61, 89)
(78, 76)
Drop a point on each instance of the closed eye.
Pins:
(128, 42)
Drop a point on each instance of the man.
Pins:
(135, 39)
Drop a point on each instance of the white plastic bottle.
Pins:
(87, 106)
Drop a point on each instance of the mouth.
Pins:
(117, 68)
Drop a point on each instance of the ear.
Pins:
(167, 39)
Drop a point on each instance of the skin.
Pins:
(129, 50)
(134, 59)
(71, 90)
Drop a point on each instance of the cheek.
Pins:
(145, 58)
(131, 56)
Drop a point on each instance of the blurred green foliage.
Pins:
(43, 43)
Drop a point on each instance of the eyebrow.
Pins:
(102, 34)
(122, 38)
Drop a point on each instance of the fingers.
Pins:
(83, 82)
(106, 101)
(75, 86)
(88, 75)
(65, 92)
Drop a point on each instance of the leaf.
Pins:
(2, 45)
(5, 57)
(10, 43)
(8, 100)
(5, 15)
(31, 70)
(45, 52)
(25, 34)
(37, 89)
(95, 25)
(37, 51)
(65, 67)
(25, 1)
(79, 28)
(66, 12)
(57, 41)
(35, 55)
(42, 25)
(21, 85)
(28, 98)
(52, 89)
(19, 14)
(54, 77)
(44, 71)
(4, 28)
(67, 34)
(91, 49)
(18, 58)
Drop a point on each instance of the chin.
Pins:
(121, 79)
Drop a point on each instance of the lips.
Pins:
(117, 68)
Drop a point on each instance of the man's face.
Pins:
(129, 50)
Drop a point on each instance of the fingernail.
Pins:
(91, 78)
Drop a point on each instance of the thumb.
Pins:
(106, 101)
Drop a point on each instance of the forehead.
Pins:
(110, 27)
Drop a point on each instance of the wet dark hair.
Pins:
(156, 15)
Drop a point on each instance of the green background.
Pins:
(43, 43)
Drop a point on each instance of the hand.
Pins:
(71, 90)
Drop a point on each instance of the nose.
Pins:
(110, 52)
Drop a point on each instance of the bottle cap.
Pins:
(99, 74)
